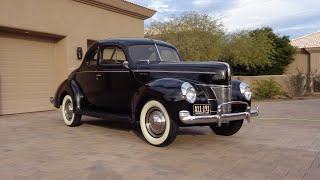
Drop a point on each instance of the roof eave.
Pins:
(122, 7)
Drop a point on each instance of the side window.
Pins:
(120, 56)
(93, 57)
(107, 55)
(112, 55)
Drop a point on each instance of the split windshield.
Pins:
(149, 54)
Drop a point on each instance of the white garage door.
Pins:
(25, 73)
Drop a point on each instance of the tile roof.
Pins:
(307, 41)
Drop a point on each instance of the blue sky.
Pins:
(287, 17)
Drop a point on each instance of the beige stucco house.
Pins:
(39, 40)
(307, 58)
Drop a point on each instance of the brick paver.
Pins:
(282, 143)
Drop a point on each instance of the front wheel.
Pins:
(69, 117)
(156, 126)
(228, 129)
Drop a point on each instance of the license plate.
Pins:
(201, 109)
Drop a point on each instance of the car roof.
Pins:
(134, 41)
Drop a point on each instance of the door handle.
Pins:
(97, 76)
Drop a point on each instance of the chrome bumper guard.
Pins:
(219, 118)
(51, 99)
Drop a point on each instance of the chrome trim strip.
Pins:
(51, 99)
(219, 118)
(229, 71)
(196, 72)
(214, 85)
(100, 71)
(158, 51)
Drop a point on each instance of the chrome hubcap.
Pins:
(68, 110)
(155, 122)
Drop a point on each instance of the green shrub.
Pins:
(266, 89)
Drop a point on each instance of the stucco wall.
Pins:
(300, 63)
(283, 80)
(314, 60)
(301, 60)
(75, 22)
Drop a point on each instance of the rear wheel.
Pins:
(228, 129)
(69, 117)
(156, 126)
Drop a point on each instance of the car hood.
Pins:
(205, 67)
(201, 72)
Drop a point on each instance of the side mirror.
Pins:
(125, 64)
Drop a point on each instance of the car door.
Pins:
(88, 73)
(113, 80)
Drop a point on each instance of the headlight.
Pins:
(188, 92)
(245, 90)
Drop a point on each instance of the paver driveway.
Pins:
(283, 143)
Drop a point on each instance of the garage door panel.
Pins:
(25, 73)
(36, 72)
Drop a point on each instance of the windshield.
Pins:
(149, 54)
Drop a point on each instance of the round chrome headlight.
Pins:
(245, 90)
(188, 92)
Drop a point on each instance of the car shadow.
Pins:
(135, 128)
(123, 126)
(116, 125)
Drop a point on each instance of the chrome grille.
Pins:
(223, 95)
(216, 95)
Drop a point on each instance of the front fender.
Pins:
(166, 90)
(237, 96)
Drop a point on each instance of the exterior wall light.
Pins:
(79, 53)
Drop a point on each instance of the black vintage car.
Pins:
(145, 80)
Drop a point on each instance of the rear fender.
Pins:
(78, 95)
(72, 88)
(62, 90)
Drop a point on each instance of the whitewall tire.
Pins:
(69, 117)
(156, 126)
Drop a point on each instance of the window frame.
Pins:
(115, 48)
(88, 58)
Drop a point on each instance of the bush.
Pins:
(316, 83)
(301, 84)
(298, 83)
(266, 89)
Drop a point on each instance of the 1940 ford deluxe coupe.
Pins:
(145, 80)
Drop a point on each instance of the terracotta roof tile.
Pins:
(307, 41)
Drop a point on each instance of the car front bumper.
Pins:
(220, 117)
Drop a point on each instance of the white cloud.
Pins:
(163, 8)
(299, 27)
(255, 13)
(289, 17)
(201, 2)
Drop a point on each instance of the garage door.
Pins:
(25, 73)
